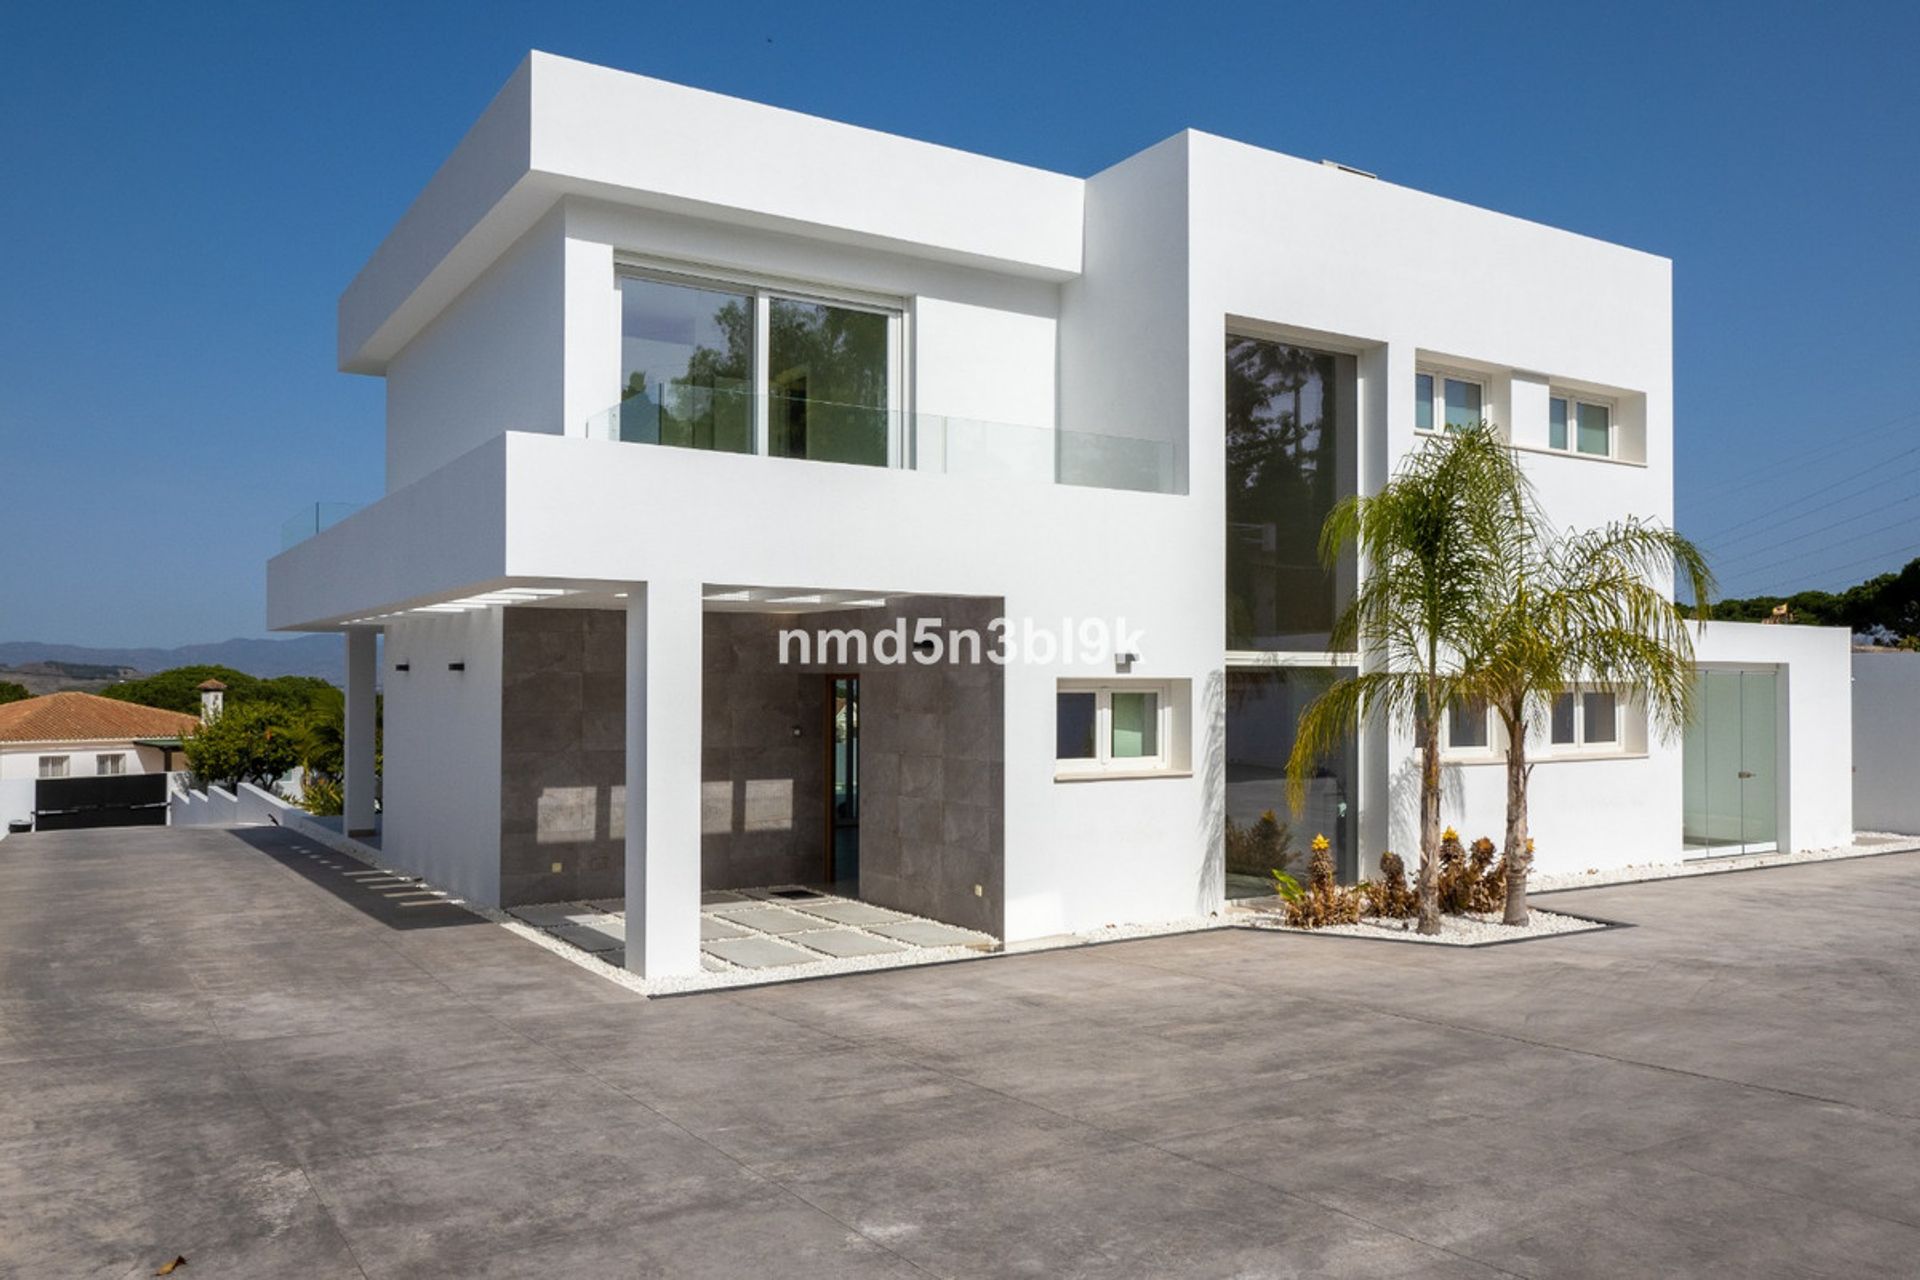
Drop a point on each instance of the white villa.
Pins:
(669, 373)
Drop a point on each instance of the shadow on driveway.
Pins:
(395, 901)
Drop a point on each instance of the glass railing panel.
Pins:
(311, 519)
(723, 419)
(1116, 462)
(824, 431)
(986, 450)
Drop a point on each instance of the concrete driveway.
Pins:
(237, 1047)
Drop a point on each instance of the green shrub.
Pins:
(1324, 900)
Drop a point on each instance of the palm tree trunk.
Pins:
(1429, 824)
(1515, 853)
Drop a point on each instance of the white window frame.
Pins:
(1441, 375)
(1103, 761)
(56, 767)
(118, 761)
(1574, 400)
(1580, 746)
(762, 290)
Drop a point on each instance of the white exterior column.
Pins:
(663, 778)
(359, 781)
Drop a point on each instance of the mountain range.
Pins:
(306, 655)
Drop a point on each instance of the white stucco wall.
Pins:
(22, 760)
(1886, 742)
(490, 362)
(441, 754)
(1816, 724)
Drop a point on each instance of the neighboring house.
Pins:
(668, 372)
(81, 735)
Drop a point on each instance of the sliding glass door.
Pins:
(748, 369)
(1731, 763)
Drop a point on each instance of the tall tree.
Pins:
(1431, 545)
(1589, 609)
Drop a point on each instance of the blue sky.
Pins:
(188, 189)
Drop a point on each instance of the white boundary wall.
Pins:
(1886, 741)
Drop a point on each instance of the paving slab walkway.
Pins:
(237, 1046)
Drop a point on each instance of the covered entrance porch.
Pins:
(683, 785)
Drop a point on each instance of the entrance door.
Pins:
(1731, 763)
(843, 779)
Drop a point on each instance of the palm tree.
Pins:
(1432, 542)
(1592, 609)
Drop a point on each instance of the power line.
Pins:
(1769, 470)
(1805, 497)
(1906, 552)
(1771, 547)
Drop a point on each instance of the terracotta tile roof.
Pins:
(88, 717)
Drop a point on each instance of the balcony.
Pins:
(311, 519)
(729, 421)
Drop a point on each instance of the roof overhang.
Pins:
(561, 127)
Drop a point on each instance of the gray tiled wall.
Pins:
(562, 754)
(762, 759)
(932, 780)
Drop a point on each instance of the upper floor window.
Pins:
(1291, 456)
(1584, 425)
(1447, 400)
(750, 369)
(109, 764)
(54, 766)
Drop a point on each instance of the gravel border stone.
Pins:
(1475, 929)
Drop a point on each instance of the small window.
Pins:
(1585, 425)
(1563, 732)
(1467, 725)
(1122, 727)
(1588, 718)
(110, 764)
(54, 766)
(1462, 402)
(1075, 719)
(1599, 719)
(1135, 733)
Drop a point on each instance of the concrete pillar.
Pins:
(360, 781)
(663, 778)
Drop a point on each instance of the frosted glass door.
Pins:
(1730, 764)
(1759, 762)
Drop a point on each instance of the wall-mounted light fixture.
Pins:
(403, 666)
(1123, 662)
(456, 666)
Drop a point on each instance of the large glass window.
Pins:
(1290, 430)
(1263, 833)
(827, 382)
(692, 356)
(686, 365)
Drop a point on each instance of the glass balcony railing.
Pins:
(726, 420)
(311, 519)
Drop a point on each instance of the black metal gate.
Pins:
(113, 800)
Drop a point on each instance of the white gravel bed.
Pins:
(1120, 933)
(1866, 844)
(1472, 930)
